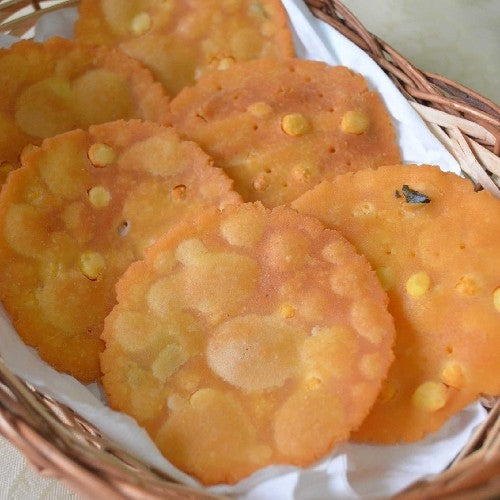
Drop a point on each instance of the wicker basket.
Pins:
(59, 443)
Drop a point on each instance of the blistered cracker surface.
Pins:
(68, 229)
(57, 86)
(179, 40)
(440, 264)
(247, 338)
(279, 128)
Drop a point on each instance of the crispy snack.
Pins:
(80, 210)
(57, 86)
(246, 338)
(435, 245)
(179, 40)
(279, 128)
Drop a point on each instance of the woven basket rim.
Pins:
(60, 443)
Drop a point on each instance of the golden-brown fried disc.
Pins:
(279, 128)
(53, 87)
(435, 245)
(247, 337)
(179, 40)
(82, 207)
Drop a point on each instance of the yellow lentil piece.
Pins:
(99, 197)
(468, 285)
(295, 124)
(101, 155)
(430, 396)
(259, 109)
(287, 311)
(140, 24)
(453, 375)
(92, 264)
(225, 63)
(418, 284)
(355, 122)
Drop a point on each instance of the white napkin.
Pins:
(352, 471)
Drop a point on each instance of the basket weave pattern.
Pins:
(59, 443)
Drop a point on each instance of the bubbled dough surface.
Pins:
(448, 335)
(57, 86)
(238, 116)
(242, 355)
(180, 40)
(48, 222)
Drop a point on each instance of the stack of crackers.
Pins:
(224, 235)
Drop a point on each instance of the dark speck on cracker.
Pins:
(412, 196)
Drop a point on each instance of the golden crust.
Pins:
(440, 268)
(181, 40)
(277, 127)
(53, 87)
(69, 228)
(249, 357)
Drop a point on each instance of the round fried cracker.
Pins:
(435, 245)
(246, 338)
(279, 128)
(72, 218)
(179, 40)
(53, 87)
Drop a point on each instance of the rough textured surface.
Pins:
(181, 40)
(57, 86)
(440, 264)
(69, 228)
(279, 128)
(245, 338)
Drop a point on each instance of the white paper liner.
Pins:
(352, 471)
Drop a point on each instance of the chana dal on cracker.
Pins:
(53, 87)
(280, 127)
(179, 40)
(435, 246)
(245, 338)
(83, 206)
